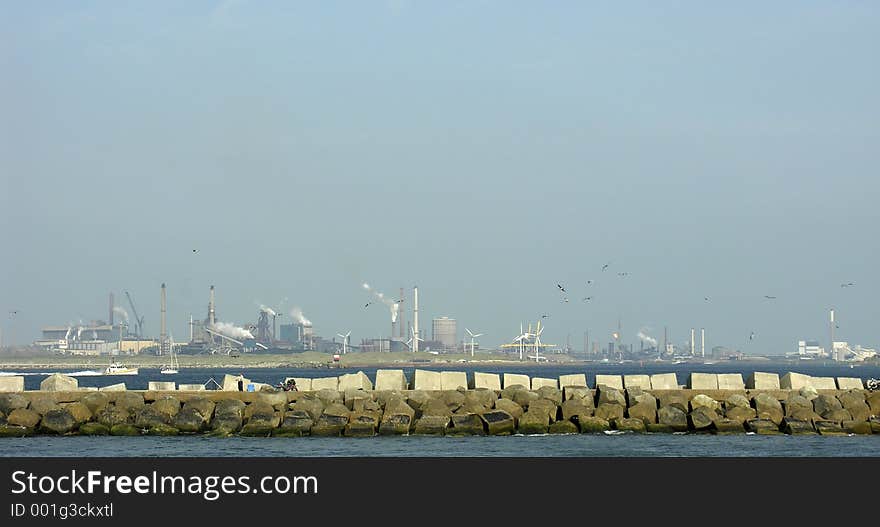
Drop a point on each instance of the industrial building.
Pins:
(444, 333)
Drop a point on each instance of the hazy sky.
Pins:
(484, 151)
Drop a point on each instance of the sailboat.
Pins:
(172, 368)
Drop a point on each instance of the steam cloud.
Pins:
(231, 330)
(647, 338)
(120, 311)
(393, 306)
(268, 310)
(297, 314)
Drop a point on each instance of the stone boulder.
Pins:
(483, 397)
(646, 412)
(453, 399)
(162, 430)
(312, 406)
(545, 406)
(837, 415)
(825, 404)
(593, 425)
(854, 403)
(43, 404)
(470, 407)
(525, 397)
(609, 412)
(110, 415)
(258, 408)
(296, 423)
(585, 395)
(58, 422)
(534, 422)
(23, 417)
(332, 421)
(768, 407)
(763, 426)
(329, 397)
(96, 401)
(563, 427)
(129, 402)
(510, 407)
(704, 401)
(362, 424)
(645, 398)
(59, 383)
(147, 417)
(857, 427)
(741, 413)
(630, 424)
(737, 401)
(608, 395)
(498, 422)
(808, 392)
(225, 423)
(702, 418)
(574, 407)
(93, 429)
(724, 425)
(657, 428)
(551, 393)
(797, 426)
(469, 424)
(431, 425)
(205, 407)
(418, 399)
(168, 406)
(435, 407)
(12, 401)
(510, 391)
(829, 428)
(803, 414)
(676, 399)
(260, 423)
(190, 420)
(674, 417)
(79, 411)
(7, 430)
(125, 429)
(873, 401)
(398, 418)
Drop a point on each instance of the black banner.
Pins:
(404, 490)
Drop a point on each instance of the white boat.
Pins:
(118, 369)
(171, 369)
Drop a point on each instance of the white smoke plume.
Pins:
(647, 338)
(393, 306)
(268, 310)
(120, 311)
(297, 314)
(231, 330)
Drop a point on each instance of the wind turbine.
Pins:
(472, 339)
(414, 340)
(521, 339)
(344, 341)
(537, 336)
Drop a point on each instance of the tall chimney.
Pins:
(400, 318)
(111, 309)
(693, 348)
(415, 319)
(211, 309)
(162, 337)
(831, 352)
(703, 342)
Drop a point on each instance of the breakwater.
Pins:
(448, 403)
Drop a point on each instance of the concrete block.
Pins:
(614, 381)
(355, 381)
(763, 381)
(325, 383)
(844, 383)
(426, 380)
(191, 388)
(490, 381)
(703, 381)
(664, 381)
(575, 379)
(637, 381)
(730, 381)
(515, 378)
(159, 386)
(539, 382)
(59, 383)
(234, 383)
(12, 383)
(88, 388)
(794, 381)
(453, 380)
(389, 380)
(120, 387)
(823, 383)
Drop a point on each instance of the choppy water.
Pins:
(574, 445)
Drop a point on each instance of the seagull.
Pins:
(848, 284)
(768, 297)
(706, 298)
(545, 316)
(195, 250)
(606, 266)
(367, 305)
(560, 287)
(587, 298)
(622, 274)
(752, 336)
(565, 299)
(13, 313)
(589, 282)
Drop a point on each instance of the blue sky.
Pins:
(484, 151)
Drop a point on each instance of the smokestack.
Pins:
(831, 327)
(703, 342)
(665, 339)
(162, 338)
(693, 348)
(211, 308)
(400, 321)
(415, 319)
(111, 309)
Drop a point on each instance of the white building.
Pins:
(810, 348)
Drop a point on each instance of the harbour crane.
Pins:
(139, 321)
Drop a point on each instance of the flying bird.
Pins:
(13, 313)
(589, 282)
(545, 316)
(622, 274)
(606, 266)
(565, 299)
(587, 298)
(768, 297)
(752, 336)
(367, 305)
(560, 287)
(848, 284)
(195, 250)
(706, 298)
